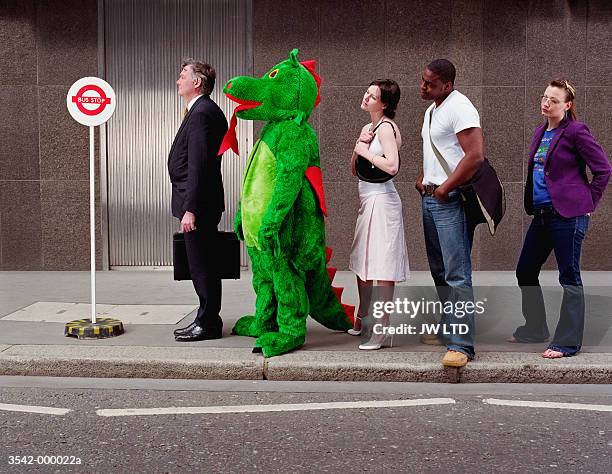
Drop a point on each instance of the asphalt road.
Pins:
(461, 434)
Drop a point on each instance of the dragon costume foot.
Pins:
(275, 343)
(251, 326)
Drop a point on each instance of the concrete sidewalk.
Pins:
(149, 350)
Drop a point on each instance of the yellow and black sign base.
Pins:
(103, 328)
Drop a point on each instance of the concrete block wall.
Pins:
(45, 45)
(505, 52)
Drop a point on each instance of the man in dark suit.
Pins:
(197, 192)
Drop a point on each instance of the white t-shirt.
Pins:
(453, 115)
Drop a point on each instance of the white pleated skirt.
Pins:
(379, 247)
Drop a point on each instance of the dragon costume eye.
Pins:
(273, 74)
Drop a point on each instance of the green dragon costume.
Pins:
(280, 217)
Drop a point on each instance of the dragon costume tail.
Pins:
(325, 300)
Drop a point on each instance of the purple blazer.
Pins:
(572, 149)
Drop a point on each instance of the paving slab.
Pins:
(242, 364)
(426, 367)
(146, 362)
(359, 366)
(526, 367)
(62, 312)
(148, 350)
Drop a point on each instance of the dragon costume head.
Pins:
(288, 91)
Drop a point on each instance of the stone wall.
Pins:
(44, 154)
(505, 52)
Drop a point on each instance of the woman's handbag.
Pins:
(366, 171)
(483, 195)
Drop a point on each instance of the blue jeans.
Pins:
(448, 241)
(550, 231)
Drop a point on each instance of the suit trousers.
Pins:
(201, 246)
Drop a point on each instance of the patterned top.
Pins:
(541, 198)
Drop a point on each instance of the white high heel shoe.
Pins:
(386, 341)
(355, 332)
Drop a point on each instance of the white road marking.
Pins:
(276, 407)
(34, 409)
(560, 406)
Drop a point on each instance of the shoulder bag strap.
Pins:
(385, 121)
(439, 156)
(394, 134)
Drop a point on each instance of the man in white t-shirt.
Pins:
(456, 134)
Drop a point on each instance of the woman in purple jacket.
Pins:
(561, 200)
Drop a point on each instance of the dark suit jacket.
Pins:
(572, 149)
(195, 166)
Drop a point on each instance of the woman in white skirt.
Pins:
(378, 254)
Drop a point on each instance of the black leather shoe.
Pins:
(185, 329)
(198, 333)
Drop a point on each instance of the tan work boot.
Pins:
(454, 359)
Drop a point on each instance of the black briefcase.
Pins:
(179, 254)
(226, 253)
